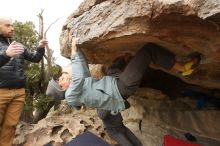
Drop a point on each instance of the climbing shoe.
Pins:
(190, 66)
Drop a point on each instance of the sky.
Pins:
(27, 10)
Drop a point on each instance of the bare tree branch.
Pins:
(50, 26)
(45, 56)
(41, 24)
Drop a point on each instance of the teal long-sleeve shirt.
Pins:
(85, 90)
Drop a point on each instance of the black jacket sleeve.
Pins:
(4, 58)
(34, 57)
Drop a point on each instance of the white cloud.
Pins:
(27, 10)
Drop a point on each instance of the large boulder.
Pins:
(109, 28)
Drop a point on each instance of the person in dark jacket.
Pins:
(12, 79)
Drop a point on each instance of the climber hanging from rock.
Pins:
(110, 93)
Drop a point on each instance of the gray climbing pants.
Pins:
(130, 79)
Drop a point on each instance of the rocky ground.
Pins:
(151, 116)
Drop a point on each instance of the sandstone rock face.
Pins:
(59, 127)
(109, 28)
(151, 116)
